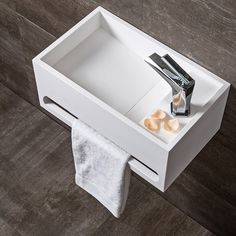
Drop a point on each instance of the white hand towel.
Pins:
(101, 167)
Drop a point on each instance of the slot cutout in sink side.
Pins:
(135, 165)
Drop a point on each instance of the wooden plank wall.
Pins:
(204, 31)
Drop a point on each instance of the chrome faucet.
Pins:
(181, 83)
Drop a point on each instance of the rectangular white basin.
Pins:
(96, 72)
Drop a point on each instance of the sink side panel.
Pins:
(195, 139)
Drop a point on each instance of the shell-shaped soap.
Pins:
(159, 114)
(152, 124)
(171, 125)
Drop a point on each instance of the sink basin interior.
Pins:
(108, 69)
(106, 58)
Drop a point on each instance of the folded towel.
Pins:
(101, 167)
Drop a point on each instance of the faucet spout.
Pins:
(181, 83)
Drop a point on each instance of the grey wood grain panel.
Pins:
(56, 17)
(20, 41)
(218, 173)
(131, 11)
(201, 33)
(6, 230)
(227, 134)
(226, 6)
(38, 195)
(149, 215)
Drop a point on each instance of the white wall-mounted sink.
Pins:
(97, 73)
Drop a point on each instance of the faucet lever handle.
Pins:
(180, 81)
